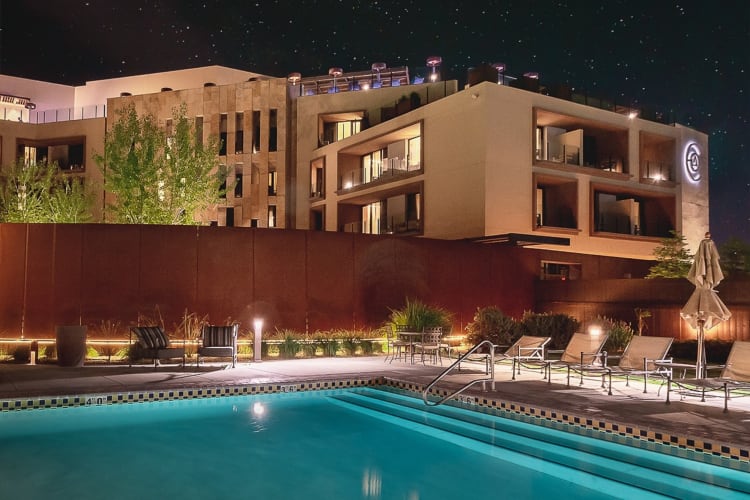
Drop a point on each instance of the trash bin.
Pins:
(71, 345)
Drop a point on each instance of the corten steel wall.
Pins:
(307, 281)
(618, 298)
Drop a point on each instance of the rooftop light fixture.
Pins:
(334, 72)
(500, 67)
(433, 62)
(377, 67)
(294, 78)
(633, 114)
(532, 75)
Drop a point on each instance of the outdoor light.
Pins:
(258, 324)
(595, 330)
(294, 78)
(433, 62)
(532, 75)
(500, 67)
(258, 408)
(633, 115)
(335, 72)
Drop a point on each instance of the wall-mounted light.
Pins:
(633, 114)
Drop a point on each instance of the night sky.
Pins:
(688, 57)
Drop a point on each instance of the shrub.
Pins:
(560, 327)
(50, 351)
(418, 316)
(490, 323)
(349, 345)
(289, 346)
(619, 333)
(22, 354)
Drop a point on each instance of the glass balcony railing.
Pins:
(388, 168)
(392, 225)
(68, 114)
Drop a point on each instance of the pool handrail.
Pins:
(490, 378)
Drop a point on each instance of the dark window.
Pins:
(223, 134)
(272, 139)
(253, 222)
(256, 131)
(199, 130)
(230, 216)
(239, 137)
(223, 185)
(238, 184)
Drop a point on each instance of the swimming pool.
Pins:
(339, 444)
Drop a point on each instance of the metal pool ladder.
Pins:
(490, 378)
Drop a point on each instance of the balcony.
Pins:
(386, 170)
(399, 226)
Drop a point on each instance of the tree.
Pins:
(38, 192)
(672, 258)
(735, 256)
(158, 179)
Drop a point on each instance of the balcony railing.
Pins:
(656, 171)
(68, 114)
(392, 225)
(565, 154)
(388, 168)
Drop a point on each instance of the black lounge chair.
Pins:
(155, 344)
(219, 342)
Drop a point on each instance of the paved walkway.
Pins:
(627, 405)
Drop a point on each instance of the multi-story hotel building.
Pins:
(375, 151)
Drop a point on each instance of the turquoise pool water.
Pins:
(360, 443)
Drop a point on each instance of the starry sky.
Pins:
(691, 58)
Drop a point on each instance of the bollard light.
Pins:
(258, 324)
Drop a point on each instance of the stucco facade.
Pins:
(489, 162)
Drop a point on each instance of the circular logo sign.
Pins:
(693, 162)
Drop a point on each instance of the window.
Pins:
(238, 181)
(317, 178)
(371, 217)
(223, 134)
(223, 185)
(560, 270)
(415, 153)
(67, 153)
(239, 135)
(199, 130)
(372, 165)
(256, 131)
(230, 216)
(618, 211)
(336, 131)
(271, 215)
(272, 183)
(272, 130)
(555, 202)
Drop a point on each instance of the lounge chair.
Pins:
(218, 342)
(584, 351)
(528, 349)
(640, 358)
(735, 376)
(155, 344)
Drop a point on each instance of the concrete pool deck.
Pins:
(629, 406)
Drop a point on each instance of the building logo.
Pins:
(693, 162)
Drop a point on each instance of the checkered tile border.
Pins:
(708, 448)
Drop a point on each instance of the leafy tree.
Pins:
(158, 179)
(673, 260)
(735, 256)
(38, 192)
(491, 323)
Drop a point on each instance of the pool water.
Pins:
(348, 444)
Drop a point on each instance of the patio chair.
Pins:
(735, 376)
(525, 351)
(218, 342)
(640, 357)
(584, 351)
(396, 345)
(430, 345)
(155, 344)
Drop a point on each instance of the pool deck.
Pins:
(686, 417)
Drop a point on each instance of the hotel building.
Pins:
(381, 151)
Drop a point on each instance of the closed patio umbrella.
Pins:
(704, 309)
